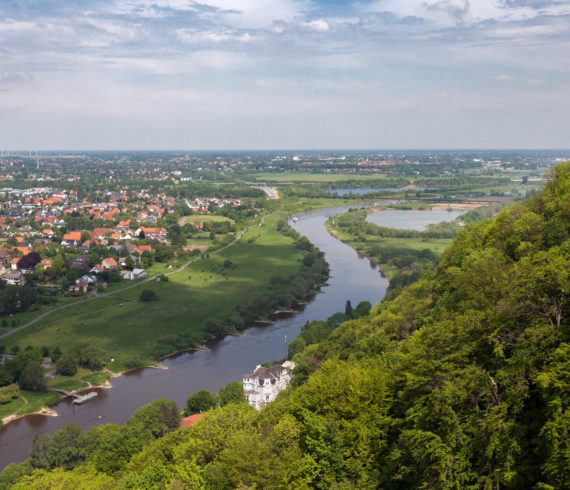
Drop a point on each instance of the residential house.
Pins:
(71, 239)
(14, 278)
(27, 263)
(109, 263)
(97, 268)
(123, 225)
(152, 233)
(134, 274)
(261, 386)
(101, 233)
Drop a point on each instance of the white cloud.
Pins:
(13, 26)
(199, 36)
(318, 25)
(503, 77)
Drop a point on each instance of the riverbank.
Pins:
(48, 412)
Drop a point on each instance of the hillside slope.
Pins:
(460, 381)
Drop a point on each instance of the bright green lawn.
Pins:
(204, 218)
(98, 378)
(127, 328)
(69, 383)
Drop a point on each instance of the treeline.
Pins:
(459, 381)
(25, 367)
(482, 213)
(203, 400)
(408, 263)
(17, 299)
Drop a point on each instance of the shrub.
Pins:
(148, 295)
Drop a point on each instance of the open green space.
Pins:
(97, 378)
(129, 329)
(306, 205)
(68, 383)
(206, 218)
(29, 402)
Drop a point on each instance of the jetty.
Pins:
(85, 398)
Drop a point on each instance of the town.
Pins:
(58, 241)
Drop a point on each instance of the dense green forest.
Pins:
(461, 380)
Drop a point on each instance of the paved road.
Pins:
(271, 192)
(103, 295)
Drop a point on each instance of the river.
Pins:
(352, 278)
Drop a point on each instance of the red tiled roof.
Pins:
(73, 235)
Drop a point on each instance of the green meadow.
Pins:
(128, 329)
(29, 402)
(205, 218)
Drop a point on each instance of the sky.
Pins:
(284, 74)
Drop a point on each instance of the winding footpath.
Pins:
(104, 295)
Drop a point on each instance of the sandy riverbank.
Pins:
(42, 411)
(456, 205)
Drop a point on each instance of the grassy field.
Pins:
(69, 383)
(128, 329)
(205, 218)
(29, 402)
(98, 378)
(305, 205)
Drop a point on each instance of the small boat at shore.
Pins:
(85, 398)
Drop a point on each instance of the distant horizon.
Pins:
(277, 150)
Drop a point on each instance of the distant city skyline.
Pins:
(284, 74)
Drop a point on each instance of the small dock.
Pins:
(85, 398)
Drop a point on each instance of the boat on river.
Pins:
(85, 398)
